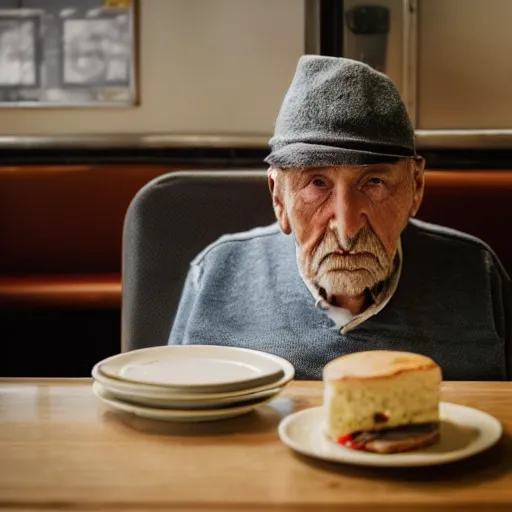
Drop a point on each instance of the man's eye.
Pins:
(375, 181)
(319, 183)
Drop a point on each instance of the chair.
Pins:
(175, 216)
(169, 221)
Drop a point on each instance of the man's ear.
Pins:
(276, 187)
(418, 171)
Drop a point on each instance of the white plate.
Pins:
(195, 368)
(172, 402)
(165, 393)
(178, 414)
(464, 432)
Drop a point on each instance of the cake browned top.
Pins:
(374, 364)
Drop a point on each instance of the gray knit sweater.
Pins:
(452, 304)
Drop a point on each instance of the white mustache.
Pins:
(361, 251)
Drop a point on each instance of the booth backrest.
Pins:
(176, 215)
(69, 219)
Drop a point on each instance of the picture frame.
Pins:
(20, 55)
(96, 51)
(78, 53)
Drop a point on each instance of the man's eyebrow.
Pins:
(381, 169)
(300, 173)
(311, 170)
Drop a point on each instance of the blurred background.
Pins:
(98, 97)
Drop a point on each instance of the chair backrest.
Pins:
(169, 221)
(173, 217)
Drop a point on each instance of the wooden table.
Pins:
(60, 448)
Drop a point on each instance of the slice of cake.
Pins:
(382, 401)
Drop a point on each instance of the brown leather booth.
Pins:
(61, 227)
(61, 232)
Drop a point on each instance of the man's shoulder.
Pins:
(242, 242)
(442, 240)
(444, 234)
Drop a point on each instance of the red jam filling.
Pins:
(349, 441)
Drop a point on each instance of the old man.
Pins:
(346, 267)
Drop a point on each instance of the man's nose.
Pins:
(348, 215)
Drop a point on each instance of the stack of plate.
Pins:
(190, 382)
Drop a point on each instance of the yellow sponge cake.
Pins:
(382, 401)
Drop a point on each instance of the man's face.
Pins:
(347, 221)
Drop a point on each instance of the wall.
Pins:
(464, 61)
(223, 66)
(206, 66)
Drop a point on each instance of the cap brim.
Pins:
(303, 155)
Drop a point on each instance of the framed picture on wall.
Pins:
(20, 60)
(97, 51)
(71, 53)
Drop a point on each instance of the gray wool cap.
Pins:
(339, 111)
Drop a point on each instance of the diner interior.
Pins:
(119, 118)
